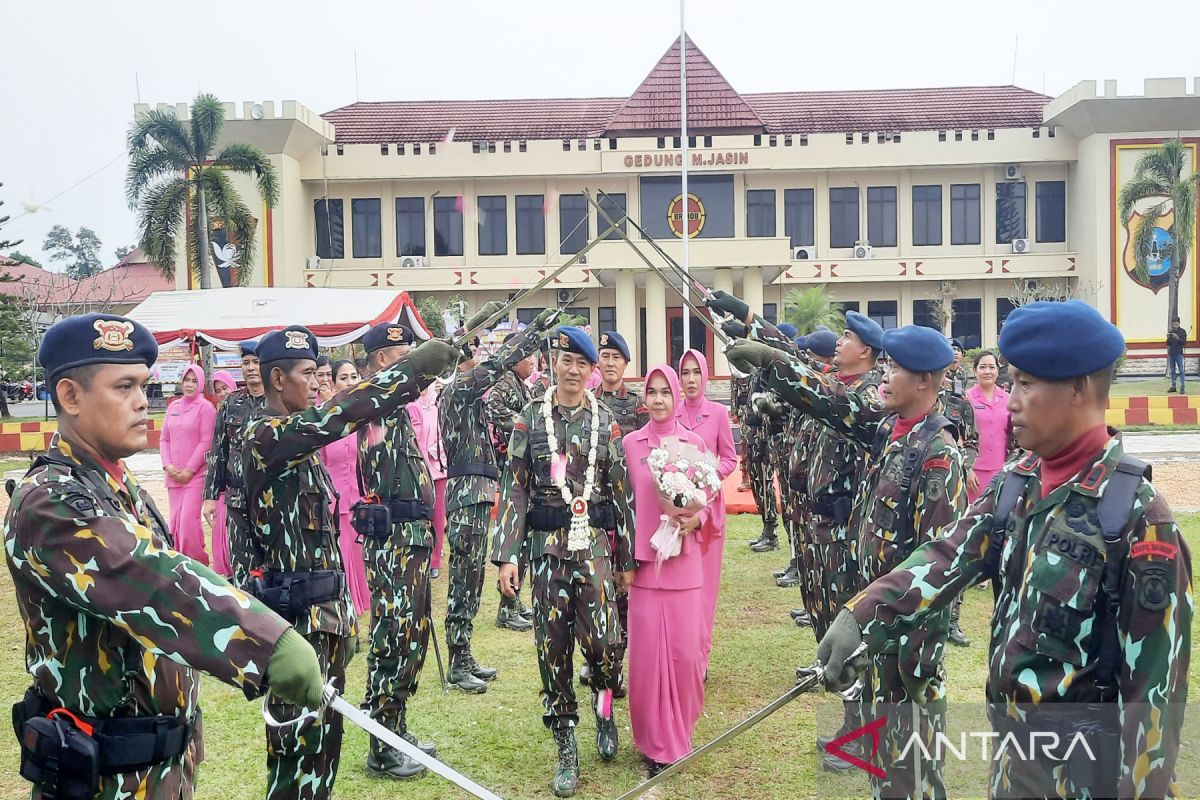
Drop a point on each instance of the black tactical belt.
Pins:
(292, 594)
(541, 517)
(408, 510)
(462, 470)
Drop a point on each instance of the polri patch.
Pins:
(1073, 548)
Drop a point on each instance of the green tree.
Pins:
(813, 306)
(17, 255)
(124, 250)
(1162, 175)
(79, 252)
(174, 166)
(5, 245)
(431, 313)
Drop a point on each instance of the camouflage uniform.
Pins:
(116, 622)
(1043, 648)
(739, 401)
(288, 495)
(911, 670)
(223, 474)
(627, 407)
(505, 402)
(757, 435)
(958, 409)
(572, 591)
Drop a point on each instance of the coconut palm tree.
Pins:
(172, 167)
(1161, 175)
(808, 308)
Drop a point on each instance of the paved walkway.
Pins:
(1164, 446)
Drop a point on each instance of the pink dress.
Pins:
(709, 420)
(992, 423)
(424, 415)
(668, 622)
(186, 437)
(339, 459)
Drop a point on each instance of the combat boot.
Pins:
(767, 542)
(803, 619)
(387, 762)
(486, 674)
(789, 579)
(606, 724)
(524, 610)
(851, 720)
(508, 615)
(460, 676)
(428, 748)
(566, 779)
(956, 636)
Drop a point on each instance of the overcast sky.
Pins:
(73, 70)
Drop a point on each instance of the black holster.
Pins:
(374, 520)
(835, 506)
(292, 594)
(542, 517)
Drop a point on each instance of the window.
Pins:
(1051, 211)
(760, 212)
(798, 216)
(967, 326)
(1010, 211)
(331, 241)
(447, 226)
(572, 223)
(881, 216)
(493, 225)
(715, 193)
(531, 224)
(849, 305)
(614, 206)
(1004, 307)
(770, 312)
(843, 217)
(606, 319)
(927, 215)
(410, 226)
(964, 213)
(925, 313)
(366, 227)
(883, 312)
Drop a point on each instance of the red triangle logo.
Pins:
(835, 747)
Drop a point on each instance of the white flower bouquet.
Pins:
(687, 481)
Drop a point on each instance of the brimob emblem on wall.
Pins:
(1158, 255)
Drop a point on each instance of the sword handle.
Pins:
(311, 714)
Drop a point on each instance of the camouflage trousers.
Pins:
(791, 500)
(466, 532)
(907, 771)
(762, 473)
(834, 573)
(574, 599)
(302, 762)
(398, 577)
(241, 555)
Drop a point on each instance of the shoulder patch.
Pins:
(1164, 550)
(1155, 586)
(937, 462)
(935, 482)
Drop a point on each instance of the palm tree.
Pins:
(808, 308)
(172, 167)
(1161, 175)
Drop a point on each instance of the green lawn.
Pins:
(1142, 387)
(498, 739)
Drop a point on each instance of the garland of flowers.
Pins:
(579, 535)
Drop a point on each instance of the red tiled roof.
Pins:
(713, 105)
(130, 281)
(26, 280)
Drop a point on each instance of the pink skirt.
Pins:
(186, 526)
(356, 568)
(220, 541)
(712, 554)
(985, 477)
(666, 669)
(439, 522)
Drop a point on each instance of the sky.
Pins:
(72, 70)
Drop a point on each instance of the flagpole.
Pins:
(683, 141)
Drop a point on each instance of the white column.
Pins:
(752, 288)
(656, 320)
(627, 318)
(723, 280)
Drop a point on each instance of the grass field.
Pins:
(498, 739)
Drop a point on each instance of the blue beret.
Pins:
(249, 347)
(611, 340)
(95, 339)
(571, 339)
(294, 341)
(867, 329)
(801, 342)
(787, 329)
(387, 334)
(956, 344)
(823, 342)
(917, 348)
(1059, 341)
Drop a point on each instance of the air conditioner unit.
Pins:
(1031, 286)
(1012, 172)
(583, 260)
(863, 250)
(564, 295)
(1020, 245)
(804, 253)
(412, 262)
(314, 262)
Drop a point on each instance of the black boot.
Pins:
(566, 779)
(509, 616)
(851, 720)
(461, 676)
(486, 674)
(606, 726)
(524, 610)
(956, 637)
(768, 532)
(789, 579)
(428, 748)
(384, 761)
(767, 542)
(803, 619)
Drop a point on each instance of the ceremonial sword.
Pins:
(815, 678)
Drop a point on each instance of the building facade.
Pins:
(943, 207)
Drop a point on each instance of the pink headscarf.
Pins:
(691, 407)
(657, 430)
(195, 370)
(222, 376)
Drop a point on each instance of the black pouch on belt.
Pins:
(59, 757)
(373, 520)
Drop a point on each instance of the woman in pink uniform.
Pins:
(223, 384)
(667, 658)
(709, 420)
(186, 436)
(424, 415)
(340, 458)
(990, 403)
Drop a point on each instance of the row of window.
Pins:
(966, 326)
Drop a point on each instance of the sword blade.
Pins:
(359, 718)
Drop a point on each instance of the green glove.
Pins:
(734, 329)
(836, 652)
(433, 358)
(571, 320)
(728, 304)
(544, 321)
(481, 316)
(293, 672)
(749, 356)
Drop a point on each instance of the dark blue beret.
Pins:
(867, 329)
(571, 339)
(387, 334)
(95, 339)
(822, 342)
(787, 329)
(611, 340)
(917, 348)
(294, 341)
(801, 342)
(1059, 341)
(249, 347)
(956, 344)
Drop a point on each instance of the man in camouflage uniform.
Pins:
(392, 473)
(756, 433)
(295, 536)
(472, 479)
(739, 399)
(573, 589)
(780, 421)
(1092, 577)
(223, 473)
(117, 623)
(958, 409)
(890, 519)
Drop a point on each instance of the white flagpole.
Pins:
(683, 141)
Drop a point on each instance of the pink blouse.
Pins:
(991, 421)
(423, 413)
(709, 420)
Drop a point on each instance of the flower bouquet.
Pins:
(687, 481)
